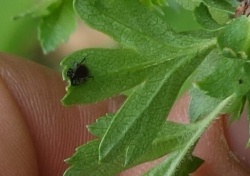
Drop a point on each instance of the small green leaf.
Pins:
(205, 19)
(56, 27)
(38, 10)
(114, 71)
(171, 137)
(85, 162)
(236, 109)
(233, 3)
(188, 165)
(175, 164)
(231, 76)
(235, 36)
(188, 4)
(220, 16)
(101, 125)
(201, 104)
(225, 5)
(147, 33)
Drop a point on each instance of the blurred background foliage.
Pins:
(19, 37)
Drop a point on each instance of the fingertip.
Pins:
(55, 130)
(237, 135)
(17, 152)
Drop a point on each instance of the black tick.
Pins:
(79, 74)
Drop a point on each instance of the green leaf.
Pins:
(39, 9)
(205, 19)
(189, 164)
(233, 3)
(85, 162)
(101, 125)
(147, 46)
(137, 127)
(177, 162)
(220, 16)
(114, 71)
(134, 28)
(237, 108)
(225, 5)
(201, 104)
(172, 136)
(56, 27)
(153, 60)
(235, 36)
(188, 4)
(231, 76)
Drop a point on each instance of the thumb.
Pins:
(36, 132)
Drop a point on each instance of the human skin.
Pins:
(37, 133)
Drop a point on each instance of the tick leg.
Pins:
(75, 82)
(78, 64)
(82, 60)
(70, 72)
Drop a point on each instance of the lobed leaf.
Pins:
(56, 27)
(155, 61)
(134, 27)
(38, 10)
(235, 37)
(133, 128)
(190, 4)
(114, 71)
(225, 5)
(188, 165)
(231, 76)
(205, 19)
(203, 101)
(201, 104)
(175, 165)
(101, 125)
(171, 137)
(118, 70)
(85, 161)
